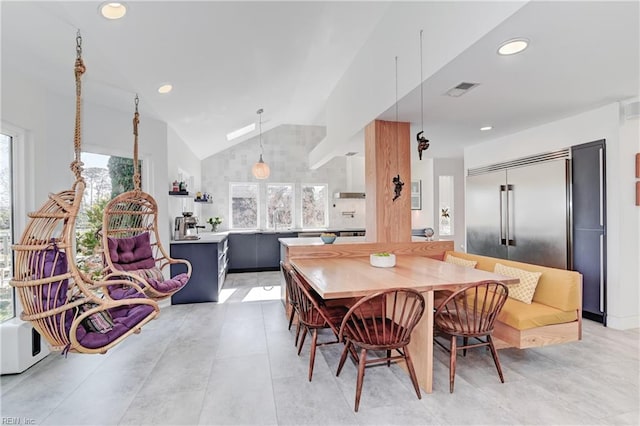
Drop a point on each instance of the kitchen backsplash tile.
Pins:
(286, 150)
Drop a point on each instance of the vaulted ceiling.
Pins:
(227, 59)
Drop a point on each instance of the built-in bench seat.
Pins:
(554, 315)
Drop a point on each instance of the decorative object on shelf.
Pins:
(382, 260)
(202, 197)
(214, 222)
(423, 143)
(328, 237)
(397, 182)
(182, 187)
(429, 233)
(175, 187)
(261, 170)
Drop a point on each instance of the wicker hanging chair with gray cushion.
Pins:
(131, 244)
(71, 311)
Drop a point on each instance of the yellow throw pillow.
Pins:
(460, 261)
(524, 290)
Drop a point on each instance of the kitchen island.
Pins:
(208, 257)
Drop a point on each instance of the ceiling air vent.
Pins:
(461, 89)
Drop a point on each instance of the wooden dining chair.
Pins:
(470, 313)
(314, 315)
(382, 321)
(290, 297)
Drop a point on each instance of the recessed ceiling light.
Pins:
(485, 128)
(113, 10)
(165, 88)
(242, 131)
(513, 46)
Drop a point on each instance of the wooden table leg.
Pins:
(421, 346)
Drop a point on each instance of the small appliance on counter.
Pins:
(186, 227)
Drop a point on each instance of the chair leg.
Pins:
(496, 360)
(361, 366)
(305, 330)
(343, 357)
(465, 342)
(388, 357)
(297, 332)
(291, 315)
(312, 355)
(412, 372)
(452, 363)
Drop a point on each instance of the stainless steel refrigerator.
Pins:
(520, 210)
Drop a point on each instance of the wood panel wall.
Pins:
(433, 249)
(387, 154)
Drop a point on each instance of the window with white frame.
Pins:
(243, 202)
(7, 294)
(315, 205)
(280, 205)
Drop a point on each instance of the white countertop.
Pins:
(316, 241)
(205, 237)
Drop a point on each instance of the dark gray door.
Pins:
(589, 225)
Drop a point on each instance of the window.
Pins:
(105, 176)
(244, 205)
(7, 294)
(315, 205)
(445, 194)
(280, 205)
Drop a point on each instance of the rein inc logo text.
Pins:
(18, 421)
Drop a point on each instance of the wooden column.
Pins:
(387, 154)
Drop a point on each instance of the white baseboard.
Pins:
(623, 323)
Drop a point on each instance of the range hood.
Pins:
(351, 195)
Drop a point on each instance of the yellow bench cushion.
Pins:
(522, 316)
(557, 288)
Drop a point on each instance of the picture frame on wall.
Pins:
(416, 195)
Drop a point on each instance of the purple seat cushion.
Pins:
(124, 317)
(131, 253)
(169, 285)
(48, 263)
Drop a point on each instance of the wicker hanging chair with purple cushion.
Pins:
(131, 245)
(68, 309)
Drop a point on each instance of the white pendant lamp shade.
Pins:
(261, 170)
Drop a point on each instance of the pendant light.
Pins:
(396, 181)
(261, 170)
(423, 143)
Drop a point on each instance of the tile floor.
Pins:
(234, 363)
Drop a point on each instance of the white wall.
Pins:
(180, 159)
(622, 142)
(366, 90)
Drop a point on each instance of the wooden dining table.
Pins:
(348, 277)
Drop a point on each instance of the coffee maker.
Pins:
(186, 227)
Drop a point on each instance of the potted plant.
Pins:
(214, 222)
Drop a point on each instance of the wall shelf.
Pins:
(209, 201)
(179, 193)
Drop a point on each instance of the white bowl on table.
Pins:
(382, 261)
